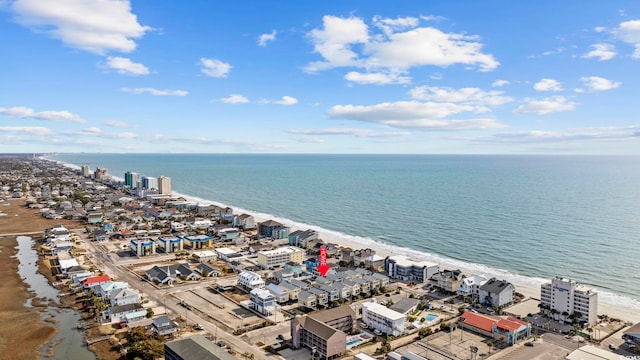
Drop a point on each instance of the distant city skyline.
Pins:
(436, 77)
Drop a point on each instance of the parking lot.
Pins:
(445, 346)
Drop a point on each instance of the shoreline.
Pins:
(527, 285)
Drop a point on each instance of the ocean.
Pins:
(522, 218)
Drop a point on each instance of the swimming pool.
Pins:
(353, 343)
(430, 317)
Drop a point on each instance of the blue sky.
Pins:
(470, 77)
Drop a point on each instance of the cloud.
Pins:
(500, 83)
(31, 130)
(398, 47)
(629, 32)
(286, 101)
(24, 112)
(126, 66)
(547, 85)
(156, 92)
(116, 123)
(597, 83)
(364, 133)
(601, 51)
(540, 136)
(390, 26)
(548, 53)
(415, 115)
(97, 26)
(92, 130)
(545, 106)
(263, 39)
(234, 99)
(214, 68)
(462, 95)
(310, 140)
(599, 29)
(378, 78)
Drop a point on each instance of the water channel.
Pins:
(69, 342)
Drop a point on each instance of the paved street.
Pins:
(162, 298)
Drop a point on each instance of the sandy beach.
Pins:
(28, 332)
(527, 290)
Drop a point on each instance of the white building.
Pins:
(470, 286)
(248, 280)
(379, 317)
(401, 267)
(262, 301)
(567, 297)
(280, 256)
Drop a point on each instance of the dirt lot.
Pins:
(27, 332)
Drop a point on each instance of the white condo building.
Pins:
(401, 267)
(280, 256)
(381, 318)
(567, 297)
(248, 280)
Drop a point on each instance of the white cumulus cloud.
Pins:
(156, 92)
(378, 78)
(365, 133)
(214, 68)
(234, 99)
(500, 83)
(629, 32)
(398, 46)
(263, 39)
(116, 123)
(414, 115)
(547, 85)
(126, 66)
(462, 95)
(601, 51)
(597, 83)
(545, 106)
(49, 115)
(96, 26)
(286, 101)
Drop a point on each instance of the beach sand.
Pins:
(27, 333)
(527, 290)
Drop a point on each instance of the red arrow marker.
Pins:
(323, 269)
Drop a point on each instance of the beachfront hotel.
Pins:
(566, 297)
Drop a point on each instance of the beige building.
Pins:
(164, 185)
(280, 256)
(324, 332)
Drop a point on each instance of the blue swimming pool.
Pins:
(354, 342)
(430, 317)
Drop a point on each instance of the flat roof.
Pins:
(383, 310)
(590, 352)
(226, 251)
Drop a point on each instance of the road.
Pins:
(161, 297)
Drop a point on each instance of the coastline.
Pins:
(614, 305)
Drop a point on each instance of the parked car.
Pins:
(611, 347)
(377, 332)
(363, 325)
(280, 337)
(528, 343)
(198, 327)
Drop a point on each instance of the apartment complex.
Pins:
(401, 267)
(248, 280)
(381, 318)
(280, 256)
(566, 297)
(324, 332)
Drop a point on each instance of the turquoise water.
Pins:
(353, 343)
(523, 218)
(430, 317)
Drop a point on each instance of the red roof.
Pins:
(511, 324)
(127, 232)
(96, 279)
(479, 321)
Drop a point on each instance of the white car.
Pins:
(377, 332)
(363, 325)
